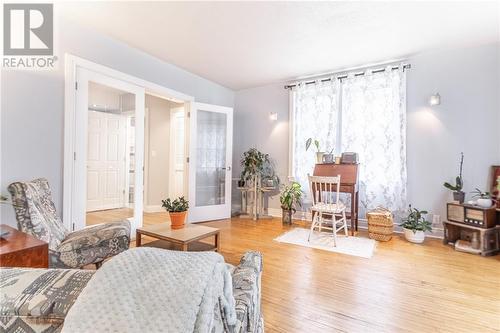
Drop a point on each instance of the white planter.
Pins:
(486, 203)
(415, 237)
(319, 157)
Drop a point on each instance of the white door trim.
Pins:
(71, 64)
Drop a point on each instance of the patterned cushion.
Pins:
(36, 213)
(37, 300)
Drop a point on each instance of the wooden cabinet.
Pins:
(19, 249)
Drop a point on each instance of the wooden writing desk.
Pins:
(349, 174)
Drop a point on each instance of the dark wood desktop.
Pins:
(349, 175)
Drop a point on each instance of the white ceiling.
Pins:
(247, 44)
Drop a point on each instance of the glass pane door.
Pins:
(210, 162)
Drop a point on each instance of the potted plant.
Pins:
(290, 197)
(484, 198)
(177, 209)
(257, 164)
(415, 225)
(319, 153)
(458, 194)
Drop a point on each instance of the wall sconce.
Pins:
(273, 116)
(435, 99)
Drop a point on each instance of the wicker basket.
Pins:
(380, 224)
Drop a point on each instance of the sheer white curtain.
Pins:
(315, 115)
(364, 114)
(374, 126)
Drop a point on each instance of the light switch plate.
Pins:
(436, 219)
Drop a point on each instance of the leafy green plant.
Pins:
(177, 205)
(416, 221)
(291, 196)
(458, 180)
(256, 163)
(310, 141)
(480, 194)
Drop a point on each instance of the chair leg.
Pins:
(345, 223)
(98, 264)
(334, 229)
(320, 222)
(312, 226)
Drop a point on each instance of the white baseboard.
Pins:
(153, 209)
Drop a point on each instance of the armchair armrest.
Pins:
(247, 292)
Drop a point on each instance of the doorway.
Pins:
(114, 170)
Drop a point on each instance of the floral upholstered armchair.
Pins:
(36, 215)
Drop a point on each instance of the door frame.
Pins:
(72, 63)
(209, 212)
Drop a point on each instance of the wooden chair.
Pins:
(326, 205)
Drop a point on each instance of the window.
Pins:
(361, 113)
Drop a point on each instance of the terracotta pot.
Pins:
(177, 219)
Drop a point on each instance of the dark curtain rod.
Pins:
(405, 67)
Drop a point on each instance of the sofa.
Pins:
(39, 300)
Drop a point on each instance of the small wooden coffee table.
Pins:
(187, 238)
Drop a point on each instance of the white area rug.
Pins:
(354, 246)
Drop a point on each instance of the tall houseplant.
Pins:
(415, 225)
(290, 197)
(458, 194)
(177, 209)
(257, 164)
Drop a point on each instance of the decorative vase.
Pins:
(319, 157)
(414, 236)
(177, 219)
(459, 196)
(485, 203)
(286, 216)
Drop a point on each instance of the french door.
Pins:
(108, 150)
(210, 156)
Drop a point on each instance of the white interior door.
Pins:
(177, 152)
(210, 156)
(106, 165)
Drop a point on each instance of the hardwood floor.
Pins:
(404, 287)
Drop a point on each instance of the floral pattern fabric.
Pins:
(364, 114)
(36, 215)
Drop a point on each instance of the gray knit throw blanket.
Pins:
(153, 290)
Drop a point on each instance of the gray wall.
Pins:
(467, 120)
(32, 106)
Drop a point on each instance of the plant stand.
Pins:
(252, 200)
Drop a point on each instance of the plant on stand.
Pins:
(290, 197)
(256, 164)
(177, 209)
(458, 194)
(415, 225)
(484, 198)
(319, 153)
